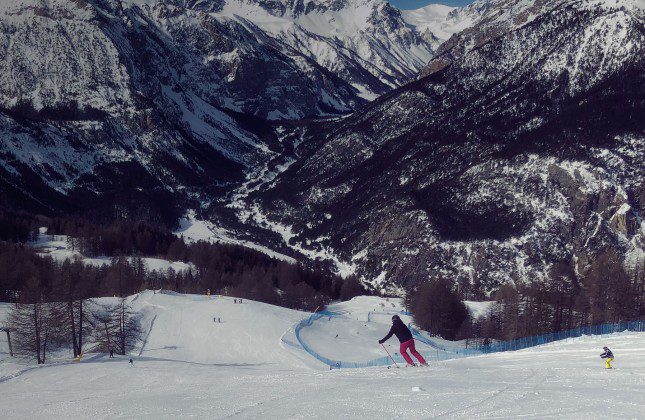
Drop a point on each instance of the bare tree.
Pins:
(33, 329)
(70, 288)
(103, 327)
(129, 332)
(115, 327)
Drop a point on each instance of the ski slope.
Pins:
(183, 328)
(352, 335)
(190, 366)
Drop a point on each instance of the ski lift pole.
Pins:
(6, 330)
(388, 353)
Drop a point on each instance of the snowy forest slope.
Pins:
(521, 149)
(118, 107)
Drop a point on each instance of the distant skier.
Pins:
(608, 356)
(131, 362)
(111, 353)
(405, 338)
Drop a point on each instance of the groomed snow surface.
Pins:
(191, 366)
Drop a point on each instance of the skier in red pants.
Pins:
(405, 338)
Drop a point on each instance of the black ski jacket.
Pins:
(607, 354)
(400, 330)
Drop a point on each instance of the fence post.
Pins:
(9, 341)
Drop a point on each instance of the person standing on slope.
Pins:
(405, 338)
(608, 356)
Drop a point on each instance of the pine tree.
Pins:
(437, 308)
(351, 288)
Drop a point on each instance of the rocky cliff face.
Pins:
(521, 148)
(367, 43)
(96, 106)
(106, 99)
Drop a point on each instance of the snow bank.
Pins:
(347, 335)
(4, 347)
(190, 366)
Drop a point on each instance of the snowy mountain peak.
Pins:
(440, 22)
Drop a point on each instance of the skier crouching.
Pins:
(405, 338)
(608, 356)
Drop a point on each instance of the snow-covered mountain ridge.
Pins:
(438, 22)
(521, 150)
(368, 44)
(105, 100)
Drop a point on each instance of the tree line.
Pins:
(436, 307)
(57, 305)
(221, 268)
(37, 328)
(54, 306)
(604, 292)
(118, 237)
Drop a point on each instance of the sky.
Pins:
(415, 4)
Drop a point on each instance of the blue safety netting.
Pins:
(525, 342)
(341, 364)
(441, 353)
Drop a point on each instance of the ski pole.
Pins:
(388, 353)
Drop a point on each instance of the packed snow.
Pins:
(353, 335)
(191, 366)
